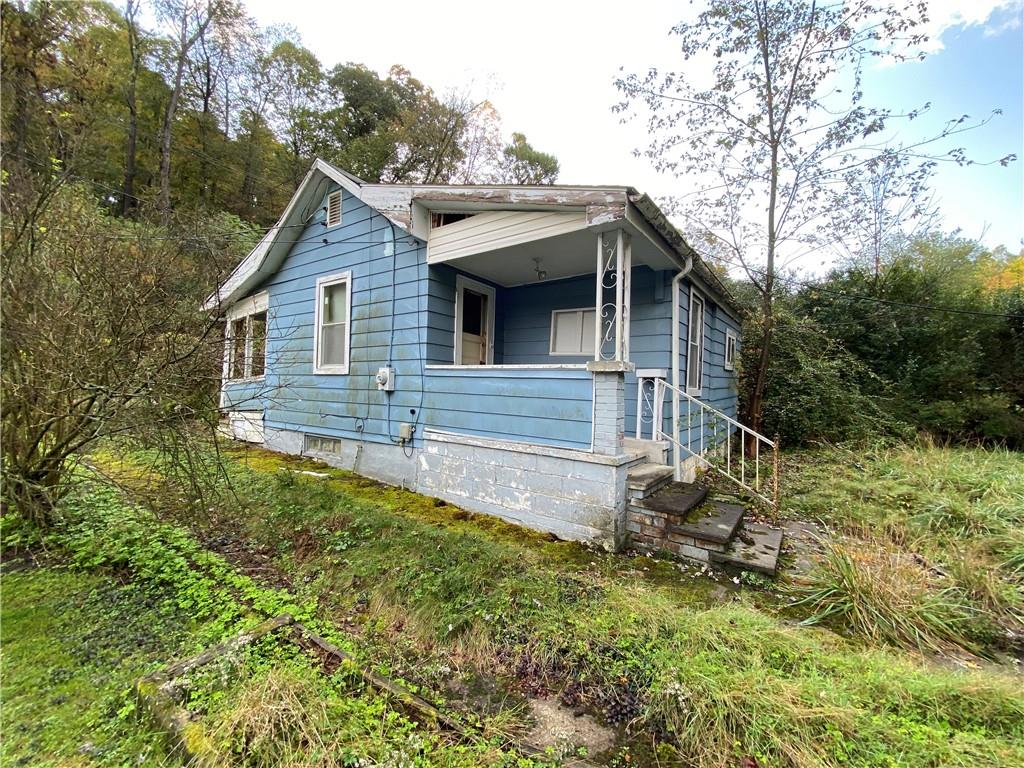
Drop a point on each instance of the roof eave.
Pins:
(657, 219)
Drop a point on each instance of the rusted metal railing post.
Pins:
(776, 470)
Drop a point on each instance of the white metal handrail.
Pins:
(719, 455)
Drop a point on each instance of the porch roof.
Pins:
(409, 206)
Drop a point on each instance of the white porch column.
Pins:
(611, 340)
(612, 295)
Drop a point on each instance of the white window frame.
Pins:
(318, 300)
(245, 310)
(462, 283)
(730, 359)
(551, 340)
(695, 298)
(339, 196)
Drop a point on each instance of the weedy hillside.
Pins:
(896, 649)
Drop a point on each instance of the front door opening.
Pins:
(474, 323)
(474, 328)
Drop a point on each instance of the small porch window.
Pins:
(695, 345)
(572, 332)
(474, 322)
(245, 340)
(331, 324)
(730, 349)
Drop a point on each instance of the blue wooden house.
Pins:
(547, 354)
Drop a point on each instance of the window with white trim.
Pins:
(730, 349)
(333, 217)
(572, 331)
(695, 345)
(332, 324)
(245, 340)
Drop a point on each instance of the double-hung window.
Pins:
(695, 345)
(730, 349)
(332, 325)
(245, 339)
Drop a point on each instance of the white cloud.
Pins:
(947, 15)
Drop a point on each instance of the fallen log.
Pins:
(156, 694)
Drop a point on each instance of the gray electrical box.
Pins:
(386, 379)
(405, 430)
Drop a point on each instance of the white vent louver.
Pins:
(334, 209)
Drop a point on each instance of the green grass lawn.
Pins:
(931, 548)
(73, 644)
(692, 670)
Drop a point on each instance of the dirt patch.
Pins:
(565, 730)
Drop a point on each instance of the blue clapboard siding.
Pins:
(403, 315)
(550, 406)
(719, 386)
(389, 307)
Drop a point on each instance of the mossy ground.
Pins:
(707, 671)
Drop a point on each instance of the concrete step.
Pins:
(653, 450)
(718, 524)
(755, 547)
(647, 478)
(675, 499)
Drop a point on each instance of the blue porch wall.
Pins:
(527, 325)
(553, 406)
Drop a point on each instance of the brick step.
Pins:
(755, 547)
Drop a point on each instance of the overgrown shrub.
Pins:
(814, 385)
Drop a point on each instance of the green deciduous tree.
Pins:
(522, 164)
(777, 134)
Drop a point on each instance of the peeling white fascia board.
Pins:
(412, 204)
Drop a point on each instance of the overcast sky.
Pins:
(549, 67)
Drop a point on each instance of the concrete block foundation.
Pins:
(576, 495)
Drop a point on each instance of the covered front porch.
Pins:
(530, 328)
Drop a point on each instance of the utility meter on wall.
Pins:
(386, 379)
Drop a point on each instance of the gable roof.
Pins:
(395, 202)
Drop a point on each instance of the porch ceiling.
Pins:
(567, 255)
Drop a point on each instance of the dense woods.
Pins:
(188, 104)
(929, 338)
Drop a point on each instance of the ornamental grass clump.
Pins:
(892, 598)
